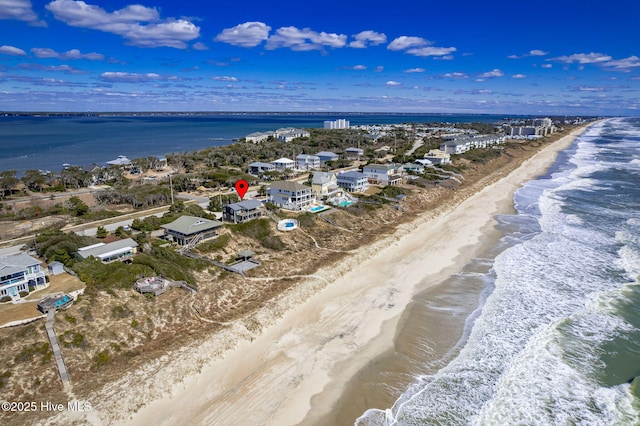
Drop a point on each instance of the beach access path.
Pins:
(297, 369)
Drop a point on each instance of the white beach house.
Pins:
(18, 273)
(307, 162)
(353, 181)
(383, 174)
(283, 164)
(290, 195)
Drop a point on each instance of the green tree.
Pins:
(33, 180)
(101, 232)
(8, 181)
(78, 206)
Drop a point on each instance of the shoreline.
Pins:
(318, 334)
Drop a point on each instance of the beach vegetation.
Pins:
(8, 182)
(101, 232)
(216, 202)
(33, 180)
(215, 244)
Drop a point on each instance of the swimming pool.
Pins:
(316, 209)
(345, 203)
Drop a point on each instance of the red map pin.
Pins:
(241, 187)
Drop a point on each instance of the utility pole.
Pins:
(171, 186)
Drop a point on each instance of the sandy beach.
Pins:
(320, 333)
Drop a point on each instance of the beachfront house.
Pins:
(283, 164)
(383, 174)
(121, 161)
(307, 162)
(258, 168)
(190, 230)
(436, 156)
(288, 134)
(353, 181)
(326, 156)
(19, 273)
(324, 184)
(242, 211)
(290, 195)
(257, 137)
(121, 251)
(455, 147)
(354, 153)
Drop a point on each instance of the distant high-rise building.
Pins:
(336, 124)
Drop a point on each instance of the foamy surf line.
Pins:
(556, 342)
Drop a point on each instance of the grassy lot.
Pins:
(64, 283)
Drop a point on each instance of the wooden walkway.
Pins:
(55, 347)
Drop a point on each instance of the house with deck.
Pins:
(190, 230)
(283, 164)
(242, 211)
(258, 168)
(307, 162)
(353, 181)
(325, 184)
(18, 273)
(383, 174)
(290, 195)
(354, 153)
(117, 251)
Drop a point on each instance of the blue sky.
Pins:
(544, 57)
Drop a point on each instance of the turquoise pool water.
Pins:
(345, 203)
(316, 209)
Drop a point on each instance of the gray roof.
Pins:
(307, 157)
(289, 186)
(188, 225)
(17, 263)
(101, 249)
(244, 205)
(352, 174)
(320, 178)
(260, 164)
(327, 154)
(120, 161)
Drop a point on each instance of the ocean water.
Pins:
(48, 142)
(557, 341)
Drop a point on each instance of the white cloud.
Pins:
(13, 51)
(431, 51)
(305, 39)
(126, 77)
(414, 70)
(405, 42)
(225, 78)
(584, 58)
(626, 64)
(455, 75)
(249, 34)
(364, 38)
(379, 68)
(534, 52)
(419, 46)
(20, 10)
(140, 25)
(45, 52)
(199, 46)
(546, 66)
(393, 83)
(493, 73)
(518, 76)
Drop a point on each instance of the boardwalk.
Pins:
(55, 347)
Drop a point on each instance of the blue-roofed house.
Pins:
(18, 273)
